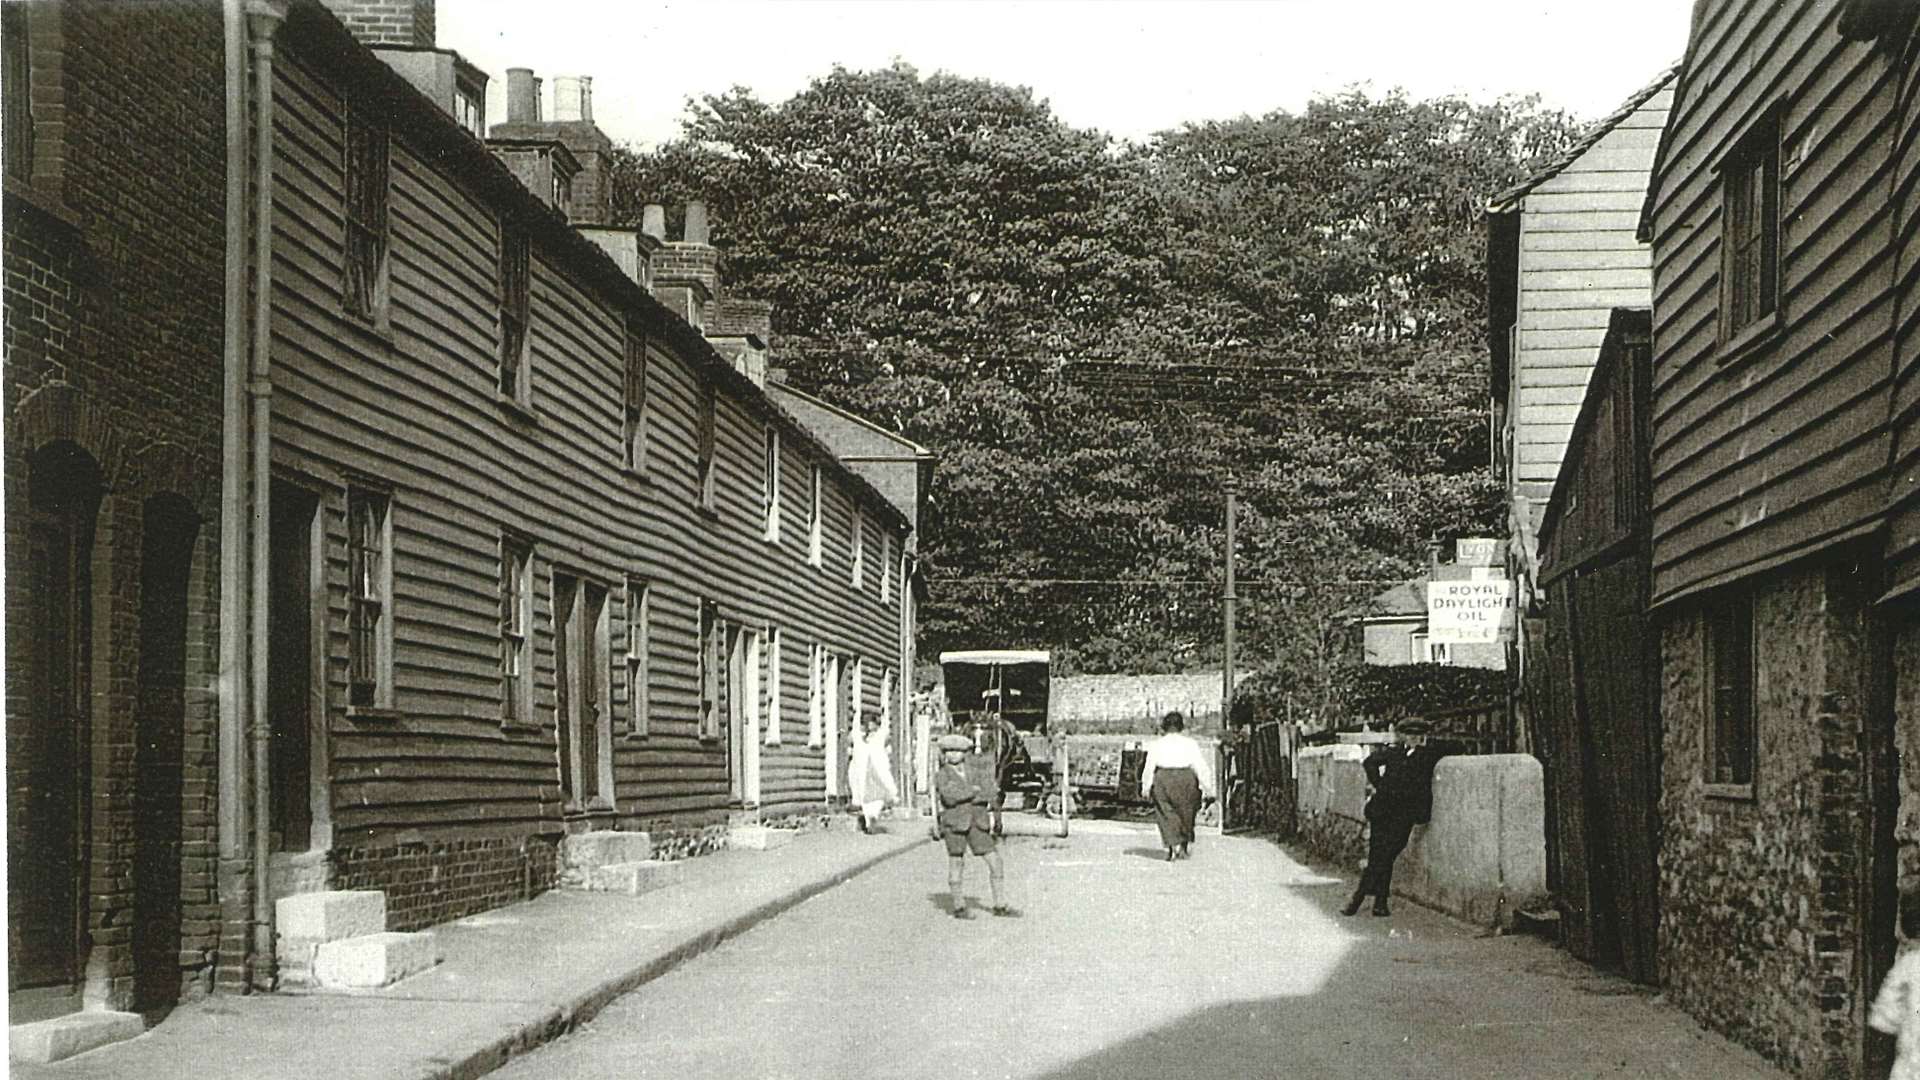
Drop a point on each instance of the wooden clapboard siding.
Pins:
(413, 404)
(1776, 451)
(1903, 539)
(1578, 259)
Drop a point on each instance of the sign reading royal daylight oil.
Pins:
(1467, 612)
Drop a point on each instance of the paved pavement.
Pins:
(1233, 963)
(511, 979)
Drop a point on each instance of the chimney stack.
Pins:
(686, 272)
(590, 201)
(388, 22)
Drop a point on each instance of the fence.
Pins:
(1257, 785)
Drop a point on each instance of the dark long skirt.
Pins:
(1176, 799)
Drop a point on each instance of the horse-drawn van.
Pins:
(999, 698)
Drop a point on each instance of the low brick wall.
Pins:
(433, 882)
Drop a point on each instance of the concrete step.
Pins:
(304, 922)
(634, 878)
(758, 837)
(332, 915)
(605, 848)
(372, 960)
(46, 1041)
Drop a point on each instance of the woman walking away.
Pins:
(1177, 776)
(1896, 1010)
(869, 774)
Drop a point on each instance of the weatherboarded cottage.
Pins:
(417, 521)
(1784, 551)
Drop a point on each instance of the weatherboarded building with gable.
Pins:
(1784, 408)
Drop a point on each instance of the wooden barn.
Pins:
(1597, 730)
(1783, 422)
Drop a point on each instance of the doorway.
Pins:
(296, 754)
(48, 773)
(170, 527)
(582, 665)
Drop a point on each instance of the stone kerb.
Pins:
(1484, 853)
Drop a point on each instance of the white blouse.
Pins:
(1177, 750)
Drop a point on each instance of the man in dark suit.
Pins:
(1395, 779)
(965, 786)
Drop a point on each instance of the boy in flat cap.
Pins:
(966, 788)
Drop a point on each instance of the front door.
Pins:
(581, 674)
(47, 765)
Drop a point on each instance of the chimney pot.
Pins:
(653, 221)
(523, 96)
(572, 97)
(696, 231)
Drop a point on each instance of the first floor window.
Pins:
(856, 548)
(1750, 229)
(1730, 742)
(516, 607)
(369, 585)
(515, 271)
(634, 428)
(364, 289)
(815, 550)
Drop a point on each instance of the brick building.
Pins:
(113, 333)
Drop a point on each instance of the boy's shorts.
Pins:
(977, 838)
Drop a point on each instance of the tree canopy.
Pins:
(1093, 335)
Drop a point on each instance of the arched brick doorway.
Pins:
(48, 773)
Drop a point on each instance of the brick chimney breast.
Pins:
(388, 22)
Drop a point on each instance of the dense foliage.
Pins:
(1093, 336)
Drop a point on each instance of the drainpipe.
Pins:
(263, 17)
(232, 683)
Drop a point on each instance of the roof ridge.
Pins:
(1586, 140)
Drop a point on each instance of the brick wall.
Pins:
(429, 882)
(112, 270)
(388, 22)
(1760, 920)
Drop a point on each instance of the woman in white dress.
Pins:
(870, 772)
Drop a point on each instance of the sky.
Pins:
(1126, 67)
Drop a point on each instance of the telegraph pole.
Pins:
(1226, 613)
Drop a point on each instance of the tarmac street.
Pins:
(1235, 963)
